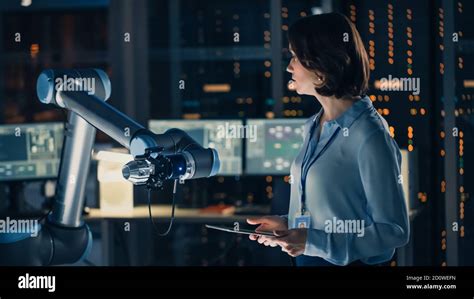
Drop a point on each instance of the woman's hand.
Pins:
(292, 241)
(267, 224)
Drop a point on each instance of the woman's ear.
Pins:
(318, 81)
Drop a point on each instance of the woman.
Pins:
(347, 204)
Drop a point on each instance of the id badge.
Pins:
(302, 221)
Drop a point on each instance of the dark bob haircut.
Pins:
(330, 46)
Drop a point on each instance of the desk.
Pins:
(163, 213)
(139, 241)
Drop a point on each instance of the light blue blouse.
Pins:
(351, 185)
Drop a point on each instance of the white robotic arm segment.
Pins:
(143, 144)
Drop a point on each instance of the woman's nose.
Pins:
(289, 68)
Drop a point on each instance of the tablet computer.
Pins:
(239, 231)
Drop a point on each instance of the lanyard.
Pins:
(304, 163)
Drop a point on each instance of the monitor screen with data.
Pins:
(30, 151)
(277, 144)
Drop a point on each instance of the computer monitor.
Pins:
(30, 151)
(212, 134)
(277, 144)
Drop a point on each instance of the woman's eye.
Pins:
(291, 56)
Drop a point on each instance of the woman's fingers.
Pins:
(281, 238)
(255, 220)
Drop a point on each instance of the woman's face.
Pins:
(303, 79)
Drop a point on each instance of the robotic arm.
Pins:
(186, 158)
(65, 238)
